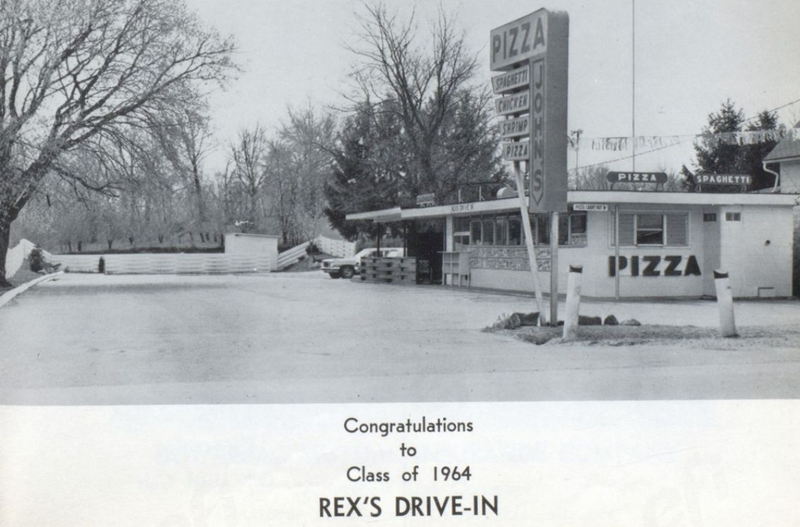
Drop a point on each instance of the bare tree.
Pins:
(429, 87)
(282, 190)
(73, 70)
(309, 137)
(184, 136)
(247, 155)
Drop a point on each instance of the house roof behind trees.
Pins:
(788, 148)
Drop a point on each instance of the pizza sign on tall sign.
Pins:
(532, 53)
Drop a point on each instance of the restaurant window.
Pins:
(541, 228)
(488, 231)
(507, 230)
(733, 216)
(461, 225)
(575, 229)
(476, 232)
(461, 232)
(571, 229)
(648, 230)
(563, 229)
(514, 231)
(501, 230)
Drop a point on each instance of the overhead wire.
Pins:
(664, 147)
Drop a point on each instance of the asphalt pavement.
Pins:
(304, 338)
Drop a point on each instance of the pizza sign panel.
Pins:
(515, 151)
(518, 40)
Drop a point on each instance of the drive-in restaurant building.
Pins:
(669, 242)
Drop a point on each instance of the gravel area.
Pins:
(662, 335)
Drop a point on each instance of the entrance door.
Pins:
(426, 243)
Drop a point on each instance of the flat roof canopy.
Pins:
(581, 196)
(378, 216)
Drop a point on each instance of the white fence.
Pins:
(180, 263)
(338, 248)
(293, 255)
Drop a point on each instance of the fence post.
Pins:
(571, 314)
(727, 326)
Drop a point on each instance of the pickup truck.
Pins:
(347, 267)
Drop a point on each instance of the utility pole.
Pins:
(575, 140)
(633, 84)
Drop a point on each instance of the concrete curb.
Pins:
(8, 296)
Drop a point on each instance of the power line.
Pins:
(663, 147)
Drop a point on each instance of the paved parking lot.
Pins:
(301, 337)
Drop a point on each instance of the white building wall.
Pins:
(790, 177)
(594, 257)
(240, 244)
(662, 285)
(756, 251)
(711, 250)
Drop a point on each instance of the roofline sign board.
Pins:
(532, 54)
(637, 177)
(724, 179)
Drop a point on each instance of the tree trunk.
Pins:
(198, 193)
(5, 232)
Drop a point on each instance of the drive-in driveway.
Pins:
(92, 339)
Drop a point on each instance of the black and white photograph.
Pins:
(444, 262)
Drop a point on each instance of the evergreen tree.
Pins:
(715, 155)
(367, 168)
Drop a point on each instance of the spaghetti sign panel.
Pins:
(532, 53)
(511, 80)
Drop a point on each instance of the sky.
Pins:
(689, 57)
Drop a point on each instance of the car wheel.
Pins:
(348, 272)
(335, 275)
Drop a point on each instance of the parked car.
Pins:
(348, 267)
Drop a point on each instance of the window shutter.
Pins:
(677, 229)
(626, 229)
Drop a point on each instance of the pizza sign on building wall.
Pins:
(654, 265)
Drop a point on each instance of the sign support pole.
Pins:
(526, 226)
(554, 268)
(616, 252)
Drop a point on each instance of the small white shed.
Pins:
(244, 245)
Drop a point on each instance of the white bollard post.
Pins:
(573, 301)
(727, 326)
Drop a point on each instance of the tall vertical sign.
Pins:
(532, 52)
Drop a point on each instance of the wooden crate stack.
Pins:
(389, 270)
